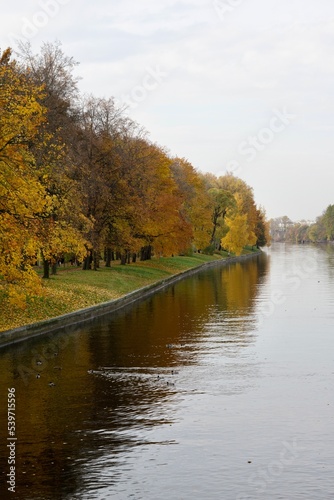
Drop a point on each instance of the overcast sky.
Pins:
(231, 85)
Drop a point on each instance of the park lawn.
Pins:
(73, 289)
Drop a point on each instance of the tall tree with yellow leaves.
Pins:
(196, 202)
(62, 222)
(22, 197)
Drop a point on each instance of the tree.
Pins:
(130, 194)
(61, 223)
(317, 231)
(102, 172)
(162, 223)
(224, 204)
(79, 177)
(262, 229)
(22, 196)
(237, 236)
(197, 204)
(53, 70)
(245, 201)
(328, 221)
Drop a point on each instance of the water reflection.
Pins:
(117, 380)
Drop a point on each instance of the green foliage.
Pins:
(323, 228)
(209, 250)
(328, 222)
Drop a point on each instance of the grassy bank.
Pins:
(72, 289)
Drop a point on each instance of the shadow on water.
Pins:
(87, 397)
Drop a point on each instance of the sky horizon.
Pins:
(231, 85)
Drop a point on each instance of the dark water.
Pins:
(219, 388)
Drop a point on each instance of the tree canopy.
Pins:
(321, 230)
(81, 180)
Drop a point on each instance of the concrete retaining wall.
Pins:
(88, 314)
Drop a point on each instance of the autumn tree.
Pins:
(52, 69)
(161, 222)
(245, 201)
(223, 205)
(60, 229)
(236, 239)
(262, 229)
(98, 146)
(280, 228)
(130, 194)
(22, 196)
(239, 233)
(235, 217)
(196, 203)
(297, 232)
(78, 176)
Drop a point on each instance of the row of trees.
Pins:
(320, 231)
(279, 228)
(79, 178)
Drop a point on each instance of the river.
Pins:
(218, 388)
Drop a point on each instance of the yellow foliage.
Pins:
(21, 194)
(111, 188)
(238, 234)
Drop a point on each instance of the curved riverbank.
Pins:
(75, 318)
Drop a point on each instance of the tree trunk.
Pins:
(96, 260)
(146, 253)
(46, 269)
(109, 257)
(87, 263)
(123, 259)
(213, 234)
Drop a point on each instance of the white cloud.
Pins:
(224, 76)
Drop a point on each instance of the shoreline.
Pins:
(88, 314)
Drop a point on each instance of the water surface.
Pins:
(219, 387)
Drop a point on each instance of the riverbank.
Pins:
(73, 295)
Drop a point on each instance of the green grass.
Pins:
(72, 289)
